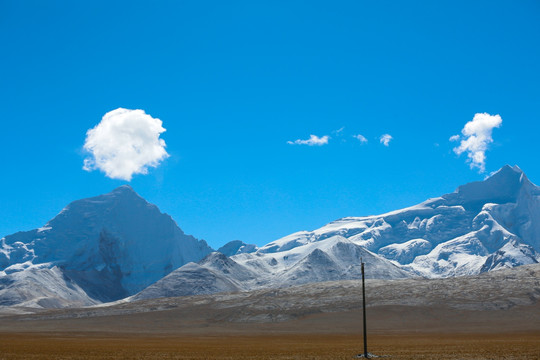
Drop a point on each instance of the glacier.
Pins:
(482, 226)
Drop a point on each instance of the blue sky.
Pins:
(233, 82)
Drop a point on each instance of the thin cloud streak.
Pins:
(313, 140)
(361, 138)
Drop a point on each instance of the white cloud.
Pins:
(385, 139)
(361, 138)
(476, 138)
(124, 143)
(313, 140)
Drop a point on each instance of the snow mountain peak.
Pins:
(501, 187)
(112, 245)
(124, 190)
(237, 247)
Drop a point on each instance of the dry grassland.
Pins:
(259, 347)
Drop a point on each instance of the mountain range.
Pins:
(118, 246)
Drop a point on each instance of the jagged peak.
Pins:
(235, 247)
(124, 190)
(125, 187)
(506, 171)
(213, 256)
(122, 193)
(502, 186)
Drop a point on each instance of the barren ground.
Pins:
(400, 332)
(491, 316)
(122, 346)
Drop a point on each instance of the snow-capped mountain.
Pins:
(117, 245)
(111, 246)
(482, 226)
(42, 287)
(334, 258)
(215, 273)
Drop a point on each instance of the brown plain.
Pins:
(398, 332)
(489, 316)
(117, 346)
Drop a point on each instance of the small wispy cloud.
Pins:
(339, 131)
(385, 139)
(360, 138)
(124, 143)
(476, 137)
(313, 140)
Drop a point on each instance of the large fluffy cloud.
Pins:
(476, 136)
(313, 140)
(124, 143)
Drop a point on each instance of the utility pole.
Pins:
(364, 309)
(365, 355)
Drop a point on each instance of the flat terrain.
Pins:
(490, 316)
(400, 332)
(107, 346)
